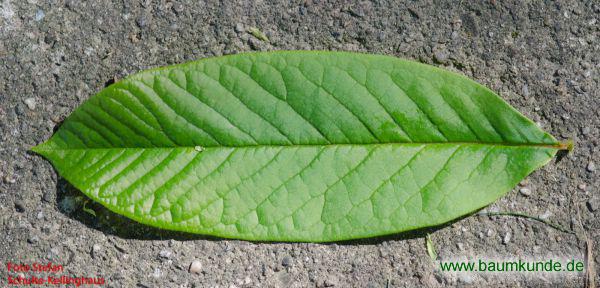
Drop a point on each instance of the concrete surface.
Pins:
(541, 56)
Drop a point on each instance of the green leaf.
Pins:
(430, 248)
(296, 146)
(88, 210)
(258, 34)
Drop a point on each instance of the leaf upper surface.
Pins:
(296, 146)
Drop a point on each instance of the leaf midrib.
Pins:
(558, 145)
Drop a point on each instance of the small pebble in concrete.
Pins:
(33, 239)
(30, 102)
(195, 267)
(546, 215)
(9, 180)
(39, 15)
(465, 278)
(585, 130)
(525, 191)
(331, 281)
(525, 90)
(593, 204)
(164, 254)
(157, 273)
(239, 28)
(96, 250)
(178, 7)
(582, 187)
(47, 196)
(286, 261)
(591, 167)
(141, 21)
(506, 238)
(440, 57)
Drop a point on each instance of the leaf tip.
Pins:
(36, 149)
(40, 149)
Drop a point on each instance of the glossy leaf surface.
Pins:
(296, 146)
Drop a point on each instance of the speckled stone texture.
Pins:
(543, 58)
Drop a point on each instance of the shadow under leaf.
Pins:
(78, 206)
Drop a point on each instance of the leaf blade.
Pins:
(266, 121)
(386, 186)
